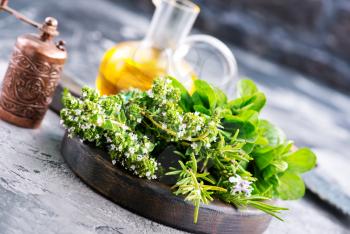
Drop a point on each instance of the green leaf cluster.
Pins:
(227, 151)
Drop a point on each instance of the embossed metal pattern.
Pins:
(29, 85)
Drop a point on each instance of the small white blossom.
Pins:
(194, 145)
(114, 161)
(148, 145)
(99, 121)
(182, 126)
(133, 136)
(150, 93)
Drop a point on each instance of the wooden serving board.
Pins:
(154, 200)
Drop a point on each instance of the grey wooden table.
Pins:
(38, 192)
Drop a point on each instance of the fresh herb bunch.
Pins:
(227, 151)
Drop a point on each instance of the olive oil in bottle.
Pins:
(134, 64)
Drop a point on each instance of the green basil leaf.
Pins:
(291, 186)
(247, 130)
(273, 134)
(221, 97)
(246, 87)
(251, 116)
(255, 102)
(186, 100)
(280, 165)
(301, 160)
(202, 109)
(263, 160)
(258, 101)
(269, 171)
(206, 93)
(196, 99)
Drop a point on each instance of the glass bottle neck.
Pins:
(171, 23)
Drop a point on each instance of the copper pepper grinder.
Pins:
(33, 73)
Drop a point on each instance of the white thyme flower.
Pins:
(150, 93)
(109, 140)
(99, 121)
(235, 179)
(148, 145)
(198, 128)
(71, 129)
(148, 174)
(139, 120)
(180, 133)
(194, 145)
(132, 167)
(114, 161)
(133, 136)
(182, 126)
(196, 113)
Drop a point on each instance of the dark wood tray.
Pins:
(153, 199)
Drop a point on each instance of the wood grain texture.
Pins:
(153, 199)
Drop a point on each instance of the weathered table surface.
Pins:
(39, 193)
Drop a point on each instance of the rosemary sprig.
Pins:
(191, 185)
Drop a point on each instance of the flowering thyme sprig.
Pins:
(101, 120)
